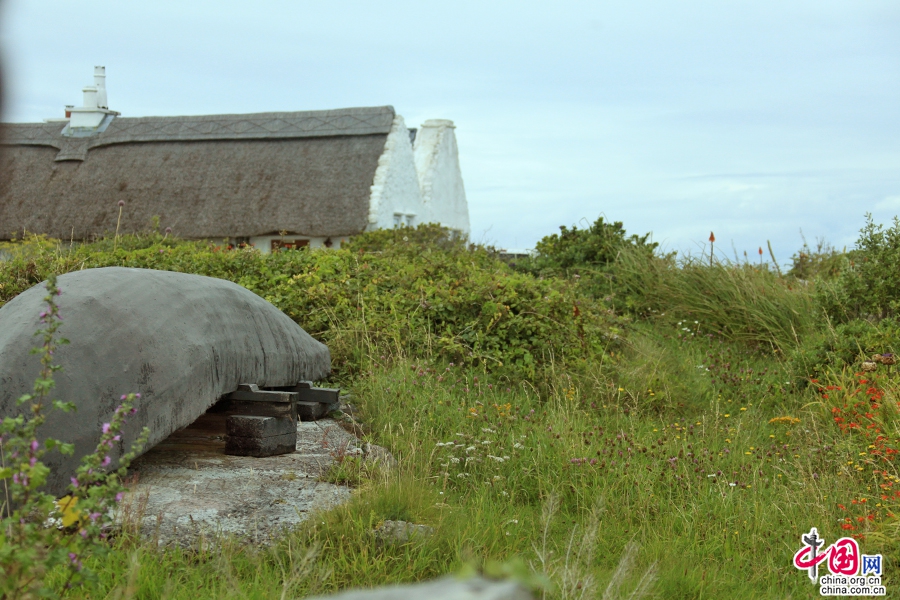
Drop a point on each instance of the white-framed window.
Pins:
(404, 219)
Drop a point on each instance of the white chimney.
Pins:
(90, 96)
(95, 115)
(100, 84)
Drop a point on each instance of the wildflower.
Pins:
(74, 482)
(106, 461)
(105, 428)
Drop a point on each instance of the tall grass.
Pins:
(744, 302)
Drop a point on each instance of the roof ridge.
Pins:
(251, 126)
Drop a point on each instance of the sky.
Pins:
(755, 120)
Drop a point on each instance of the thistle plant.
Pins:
(38, 533)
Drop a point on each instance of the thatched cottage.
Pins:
(269, 179)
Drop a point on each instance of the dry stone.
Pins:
(400, 532)
(186, 490)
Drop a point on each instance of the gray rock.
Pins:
(187, 490)
(446, 588)
(400, 532)
(182, 341)
(379, 456)
(258, 427)
(261, 446)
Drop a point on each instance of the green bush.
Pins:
(846, 344)
(868, 286)
(604, 261)
(823, 262)
(435, 297)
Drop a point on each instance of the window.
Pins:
(404, 219)
(282, 244)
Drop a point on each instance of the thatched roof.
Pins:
(216, 176)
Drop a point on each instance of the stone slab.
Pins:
(186, 489)
(261, 446)
(312, 411)
(329, 396)
(260, 427)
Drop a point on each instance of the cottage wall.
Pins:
(395, 198)
(439, 175)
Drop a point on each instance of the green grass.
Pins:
(505, 476)
(638, 455)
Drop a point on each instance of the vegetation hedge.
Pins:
(431, 294)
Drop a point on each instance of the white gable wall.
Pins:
(440, 178)
(395, 198)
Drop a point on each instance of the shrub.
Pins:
(868, 286)
(602, 259)
(435, 296)
(823, 262)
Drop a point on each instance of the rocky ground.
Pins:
(186, 489)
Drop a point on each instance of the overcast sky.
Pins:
(750, 119)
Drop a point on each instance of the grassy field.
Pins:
(678, 450)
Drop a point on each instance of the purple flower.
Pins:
(74, 482)
(83, 533)
(106, 428)
(106, 461)
(119, 496)
(116, 438)
(34, 445)
(33, 461)
(137, 395)
(124, 397)
(94, 516)
(133, 410)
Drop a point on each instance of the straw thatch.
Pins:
(307, 173)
